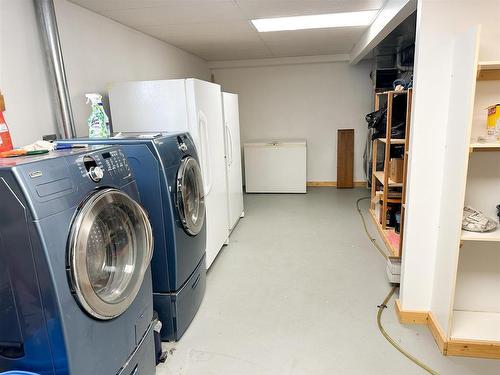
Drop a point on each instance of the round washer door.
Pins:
(110, 249)
(190, 196)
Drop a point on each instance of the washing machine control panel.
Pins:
(113, 163)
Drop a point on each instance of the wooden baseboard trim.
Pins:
(333, 183)
(410, 316)
(322, 183)
(423, 317)
(474, 349)
(458, 348)
(437, 333)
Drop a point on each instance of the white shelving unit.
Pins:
(484, 147)
(488, 236)
(476, 325)
(466, 298)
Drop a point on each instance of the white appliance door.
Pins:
(233, 158)
(145, 106)
(206, 127)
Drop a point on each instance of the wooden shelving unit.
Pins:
(387, 235)
(484, 147)
(464, 309)
(464, 315)
(475, 318)
(395, 141)
(382, 185)
(381, 177)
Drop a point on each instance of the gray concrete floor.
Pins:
(296, 292)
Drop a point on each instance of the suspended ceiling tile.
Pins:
(313, 42)
(222, 11)
(214, 30)
(103, 5)
(229, 50)
(221, 29)
(283, 8)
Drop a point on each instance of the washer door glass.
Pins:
(109, 252)
(190, 197)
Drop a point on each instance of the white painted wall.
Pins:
(438, 24)
(96, 50)
(304, 100)
(23, 77)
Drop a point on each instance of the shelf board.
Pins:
(488, 70)
(394, 141)
(392, 92)
(484, 147)
(379, 175)
(475, 325)
(493, 236)
(385, 234)
(488, 65)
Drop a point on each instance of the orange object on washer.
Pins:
(12, 153)
(5, 139)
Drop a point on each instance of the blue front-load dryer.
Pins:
(169, 179)
(75, 281)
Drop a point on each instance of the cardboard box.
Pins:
(396, 170)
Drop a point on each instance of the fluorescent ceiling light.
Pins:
(318, 21)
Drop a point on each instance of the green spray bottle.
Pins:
(98, 121)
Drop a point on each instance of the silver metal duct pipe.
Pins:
(47, 24)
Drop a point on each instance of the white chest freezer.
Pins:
(275, 166)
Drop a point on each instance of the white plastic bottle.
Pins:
(98, 121)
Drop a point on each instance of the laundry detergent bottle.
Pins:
(98, 121)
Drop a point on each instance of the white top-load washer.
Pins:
(177, 105)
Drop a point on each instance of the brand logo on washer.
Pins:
(36, 174)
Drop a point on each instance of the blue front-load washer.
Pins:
(75, 281)
(169, 179)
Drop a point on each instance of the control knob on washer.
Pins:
(96, 173)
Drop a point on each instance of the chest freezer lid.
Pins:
(276, 143)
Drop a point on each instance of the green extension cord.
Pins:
(383, 306)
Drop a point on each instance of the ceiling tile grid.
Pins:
(221, 29)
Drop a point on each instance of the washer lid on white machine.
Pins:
(110, 248)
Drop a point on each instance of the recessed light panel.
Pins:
(319, 21)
